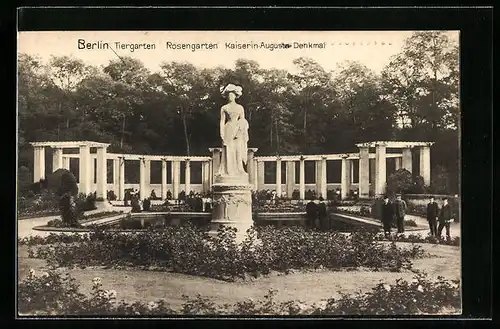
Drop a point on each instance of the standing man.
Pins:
(400, 210)
(444, 219)
(324, 220)
(311, 213)
(387, 216)
(432, 215)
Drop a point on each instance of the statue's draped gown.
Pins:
(235, 138)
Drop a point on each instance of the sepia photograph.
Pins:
(238, 173)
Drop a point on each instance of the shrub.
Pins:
(418, 186)
(43, 204)
(111, 196)
(134, 202)
(400, 181)
(62, 181)
(86, 202)
(169, 195)
(187, 249)
(295, 194)
(70, 213)
(53, 294)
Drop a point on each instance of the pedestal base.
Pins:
(232, 206)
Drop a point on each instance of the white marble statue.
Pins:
(234, 133)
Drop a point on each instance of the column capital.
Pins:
(253, 149)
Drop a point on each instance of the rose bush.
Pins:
(50, 293)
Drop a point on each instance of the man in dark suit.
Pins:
(400, 211)
(387, 216)
(324, 221)
(444, 219)
(432, 215)
(311, 213)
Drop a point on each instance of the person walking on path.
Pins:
(400, 211)
(444, 219)
(432, 215)
(387, 216)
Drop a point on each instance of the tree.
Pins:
(130, 77)
(440, 181)
(422, 81)
(363, 113)
(66, 73)
(311, 90)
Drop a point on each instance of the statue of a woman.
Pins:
(234, 133)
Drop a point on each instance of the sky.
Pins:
(371, 48)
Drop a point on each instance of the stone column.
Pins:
(380, 169)
(210, 175)
(206, 176)
(398, 163)
(278, 177)
(176, 179)
(142, 178)
(345, 177)
(425, 164)
(373, 171)
(116, 176)
(318, 177)
(102, 173)
(407, 160)
(66, 161)
(39, 164)
(290, 178)
(57, 159)
(187, 176)
(85, 169)
(302, 179)
(324, 183)
(147, 176)
(216, 157)
(364, 163)
(121, 184)
(250, 166)
(260, 174)
(163, 179)
(256, 175)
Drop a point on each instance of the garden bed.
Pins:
(308, 293)
(188, 250)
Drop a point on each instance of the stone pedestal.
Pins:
(232, 205)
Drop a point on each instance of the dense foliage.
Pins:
(50, 293)
(188, 250)
(309, 111)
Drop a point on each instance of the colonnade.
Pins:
(255, 168)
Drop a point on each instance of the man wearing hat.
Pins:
(400, 211)
(387, 215)
(444, 219)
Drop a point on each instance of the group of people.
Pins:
(317, 215)
(443, 216)
(395, 212)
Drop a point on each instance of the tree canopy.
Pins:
(175, 110)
